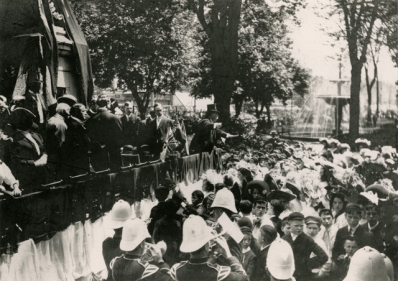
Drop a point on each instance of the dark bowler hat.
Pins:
(68, 99)
(212, 108)
(296, 216)
(312, 219)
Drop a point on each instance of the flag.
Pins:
(184, 136)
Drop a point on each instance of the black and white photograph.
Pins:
(198, 140)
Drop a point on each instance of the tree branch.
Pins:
(200, 12)
(369, 32)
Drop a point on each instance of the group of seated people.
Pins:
(41, 147)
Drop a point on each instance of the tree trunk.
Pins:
(225, 17)
(268, 113)
(369, 90)
(142, 102)
(238, 100)
(355, 100)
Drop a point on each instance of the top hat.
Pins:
(212, 108)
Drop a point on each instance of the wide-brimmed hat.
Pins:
(134, 232)
(68, 99)
(121, 211)
(195, 234)
(364, 142)
(260, 185)
(277, 194)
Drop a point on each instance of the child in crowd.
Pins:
(343, 261)
(248, 257)
(285, 226)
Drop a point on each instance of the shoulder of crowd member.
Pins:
(149, 271)
(233, 272)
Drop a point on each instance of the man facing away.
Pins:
(197, 240)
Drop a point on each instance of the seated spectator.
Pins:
(343, 261)
(121, 211)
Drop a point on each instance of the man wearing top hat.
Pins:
(207, 132)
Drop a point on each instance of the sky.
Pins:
(312, 46)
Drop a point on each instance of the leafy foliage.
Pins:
(137, 41)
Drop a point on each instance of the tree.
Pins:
(220, 21)
(221, 69)
(267, 70)
(135, 41)
(359, 17)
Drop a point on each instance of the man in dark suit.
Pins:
(130, 125)
(75, 149)
(303, 246)
(375, 226)
(162, 129)
(106, 129)
(26, 155)
(207, 132)
(360, 232)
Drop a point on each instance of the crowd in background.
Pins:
(303, 215)
(40, 146)
(289, 212)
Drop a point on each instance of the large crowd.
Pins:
(290, 212)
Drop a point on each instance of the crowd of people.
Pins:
(309, 215)
(289, 212)
(42, 146)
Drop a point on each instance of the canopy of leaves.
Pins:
(137, 41)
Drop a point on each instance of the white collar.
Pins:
(244, 251)
(373, 227)
(294, 236)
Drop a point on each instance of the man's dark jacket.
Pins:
(302, 248)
